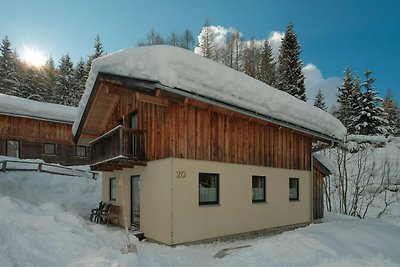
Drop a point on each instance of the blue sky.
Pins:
(333, 34)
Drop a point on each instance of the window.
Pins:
(113, 189)
(293, 188)
(49, 149)
(208, 188)
(81, 151)
(12, 148)
(258, 188)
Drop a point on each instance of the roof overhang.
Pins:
(150, 87)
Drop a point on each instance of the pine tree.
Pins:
(392, 113)
(79, 83)
(9, 60)
(319, 100)
(65, 82)
(98, 52)
(346, 99)
(370, 120)
(48, 84)
(290, 75)
(268, 65)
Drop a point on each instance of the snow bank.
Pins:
(347, 242)
(75, 194)
(179, 68)
(35, 109)
(47, 235)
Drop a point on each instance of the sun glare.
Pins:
(33, 57)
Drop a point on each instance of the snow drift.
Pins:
(177, 68)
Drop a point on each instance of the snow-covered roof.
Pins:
(177, 68)
(18, 106)
(328, 164)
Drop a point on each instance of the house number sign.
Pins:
(180, 174)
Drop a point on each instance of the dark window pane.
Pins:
(49, 149)
(81, 151)
(293, 188)
(113, 189)
(208, 188)
(258, 188)
(12, 148)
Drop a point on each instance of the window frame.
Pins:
(298, 191)
(18, 151)
(206, 203)
(49, 154)
(113, 181)
(76, 151)
(264, 183)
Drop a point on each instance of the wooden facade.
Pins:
(319, 173)
(189, 129)
(33, 133)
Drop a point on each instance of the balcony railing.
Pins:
(118, 145)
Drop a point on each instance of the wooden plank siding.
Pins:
(318, 193)
(33, 133)
(193, 130)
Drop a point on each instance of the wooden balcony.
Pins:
(119, 148)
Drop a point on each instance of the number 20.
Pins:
(180, 174)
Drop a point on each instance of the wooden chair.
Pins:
(110, 213)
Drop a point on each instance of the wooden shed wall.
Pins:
(318, 193)
(200, 132)
(33, 129)
(33, 134)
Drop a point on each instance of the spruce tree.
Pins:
(65, 82)
(290, 75)
(268, 66)
(9, 61)
(79, 83)
(370, 120)
(346, 99)
(319, 100)
(98, 52)
(48, 85)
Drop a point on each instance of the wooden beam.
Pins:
(152, 99)
(115, 90)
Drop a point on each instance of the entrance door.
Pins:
(135, 201)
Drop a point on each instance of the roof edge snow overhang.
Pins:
(35, 117)
(185, 93)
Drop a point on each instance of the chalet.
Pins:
(36, 130)
(200, 150)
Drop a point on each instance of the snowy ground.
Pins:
(41, 224)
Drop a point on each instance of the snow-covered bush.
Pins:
(365, 181)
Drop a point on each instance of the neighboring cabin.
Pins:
(37, 130)
(199, 150)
